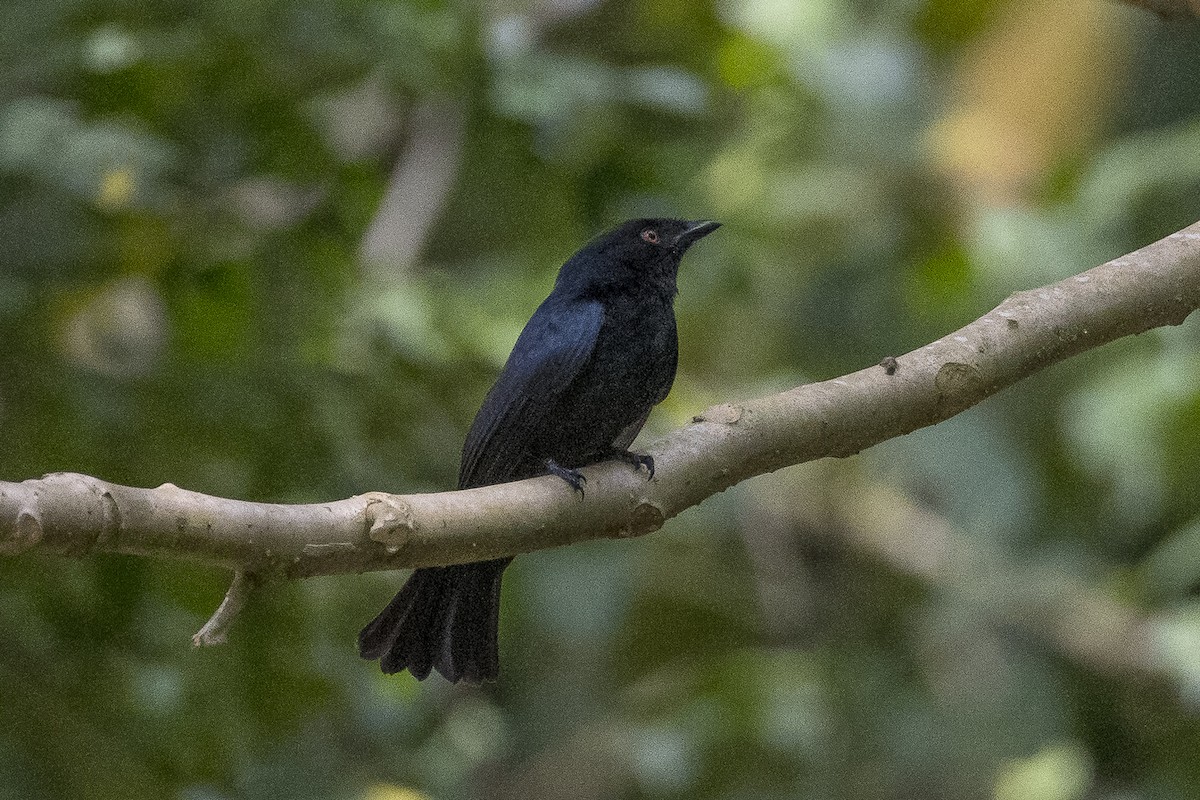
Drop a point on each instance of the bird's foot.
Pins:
(571, 476)
(636, 460)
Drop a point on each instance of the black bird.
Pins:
(596, 356)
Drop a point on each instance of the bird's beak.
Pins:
(694, 232)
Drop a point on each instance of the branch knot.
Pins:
(390, 521)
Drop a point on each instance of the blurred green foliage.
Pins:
(278, 250)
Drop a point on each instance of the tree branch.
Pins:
(1076, 620)
(76, 514)
(216, 629)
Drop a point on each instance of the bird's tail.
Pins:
(444, 618)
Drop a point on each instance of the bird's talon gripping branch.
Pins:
(573, 477)
(638, 461)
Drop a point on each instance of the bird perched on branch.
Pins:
(596, 356)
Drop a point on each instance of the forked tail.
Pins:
(444, 618)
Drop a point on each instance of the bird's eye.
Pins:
(650, 235)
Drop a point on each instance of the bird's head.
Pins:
(658, 237)
(639, 252)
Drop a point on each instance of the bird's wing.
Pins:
(557, 342)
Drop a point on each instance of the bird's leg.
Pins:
(571, 476)
(636, 460)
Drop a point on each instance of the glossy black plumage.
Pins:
(596, 356)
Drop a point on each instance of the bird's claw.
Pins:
(637, 461)
(574, 478)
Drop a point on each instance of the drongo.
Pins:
(596, 356)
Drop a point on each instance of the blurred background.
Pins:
(278, 251)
